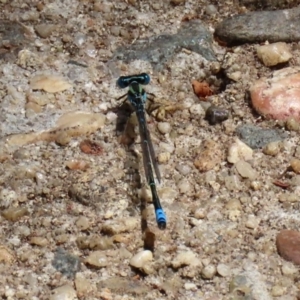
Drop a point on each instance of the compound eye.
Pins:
(123, 82)
(145, 79)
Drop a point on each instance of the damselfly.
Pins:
(137, 97)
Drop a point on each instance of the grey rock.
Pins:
(256, 137)
(158, 50)
(65, 263)
(261, 26)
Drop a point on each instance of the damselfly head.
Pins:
(125, 81)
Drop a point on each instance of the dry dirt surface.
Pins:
(77, 221)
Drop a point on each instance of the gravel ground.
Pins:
(71, 188)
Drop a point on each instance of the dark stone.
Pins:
(192, 35)
(260, 26)
(215, 115)
(268, 4)
(65, 263)
(13, 37)
(256, 137)
(288, 245)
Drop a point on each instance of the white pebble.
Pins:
(164, 127)
(252, 222)
(184, 186)
(183, 169)
(141, 258)
(79, 39)
(245, 170)
(272, 148)
(65, 292)
(288, 268)
(209, 272)
(200, 213)
(166, 147)
(211, 9)
(190, 286)
(187, 258)
(197, 109)
(223, 270)
(274, 54)
(97, 259)
(235, 76)
(164, 157)
(7, 197)
(239, 150)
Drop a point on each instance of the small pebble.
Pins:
(183, 169)
(95, 242)
(256, 185)
(256, 137)
(83, 285)
(233, 204)
(210, 155)
(209, 271)
(163, 157)
(252, 222)
(97, 259)
(295, 165)
(66, 263)
(274, 54)
(272, 148)
(278, 290)
(49, 83)
(39, 241)
(200, 213)
(288, 197)
(177, 2)
(14, 213)
(245, 170)
(187, 258)
(184, 186)
(232, 182)
(216, 115)
(292, 125)
(197, 109)
(288, 245)
(167, 147)
(190, 286)
(45, 30)
(239, 151)
(77, 164)
(7, 256)
(82, 223)
(164, 127)
(140, 259)
(162, 78)
(288, 269)
(223, 270)
(117, 226)
(7, 197)
(79, 39)
(235, 76)
(32, 109)
(65, 292)
(211, 9)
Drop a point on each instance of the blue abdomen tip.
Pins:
(161, 218)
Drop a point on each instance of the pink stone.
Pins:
(288, 245)
(278, 97)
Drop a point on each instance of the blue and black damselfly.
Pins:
(137, 97)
